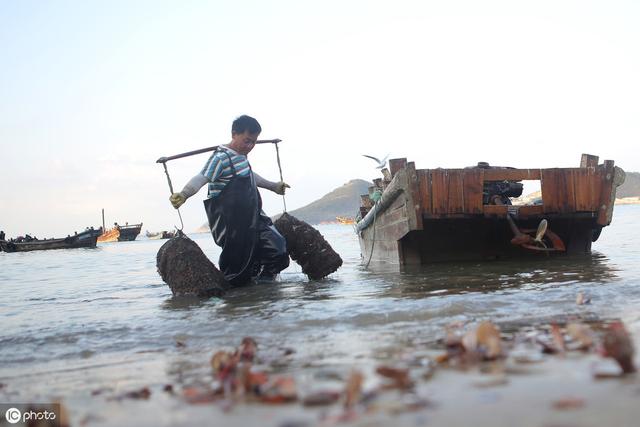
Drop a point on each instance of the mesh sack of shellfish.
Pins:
(308, 247)
(187, 270)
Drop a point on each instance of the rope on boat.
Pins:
(377, 198)
(166, 171)
(284, 202)
(373, 239)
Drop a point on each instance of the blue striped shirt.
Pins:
(218, 169)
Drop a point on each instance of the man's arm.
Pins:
(192, 187)
(276, 187)
(212, 169)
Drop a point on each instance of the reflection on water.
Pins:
(417, 281)
(108, 307)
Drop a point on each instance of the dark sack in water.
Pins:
(308, 248)
(187, 270)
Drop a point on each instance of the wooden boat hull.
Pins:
(121, 233)
(439, 215)
(160, 235)
(345, 220)
(128, 233)
(110, 235)
(86, 239)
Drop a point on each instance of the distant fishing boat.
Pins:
(128, 232)
(85, 239)
(160, 235)
(119, 233)
(110, 235)
(345, 220)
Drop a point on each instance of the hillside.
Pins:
(630, 187)
(343, 201)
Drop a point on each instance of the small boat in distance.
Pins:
(85, 239)
(128, 232)
(121, 233)
(345, 220)
(160, 235)
(110, 235)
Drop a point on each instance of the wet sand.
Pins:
(454, 399)
(558, 390)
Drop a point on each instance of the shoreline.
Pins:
(545, 391)
(628, 201)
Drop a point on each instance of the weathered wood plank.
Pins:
(413, 197)
(550, 187)
(424, 182)
(365, 201)
(386, 175)
(473, 181)
(588, 161)
(605, 199)
(523, 211)
(567, 191)
(396, 164)
(587, 187)
(511, 174)
(455, 195)
(439, 192)
(558, 190)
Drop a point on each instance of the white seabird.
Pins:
(381, 163)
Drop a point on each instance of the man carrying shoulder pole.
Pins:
(251, 245)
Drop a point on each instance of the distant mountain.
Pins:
(630, 187)
(343, 201)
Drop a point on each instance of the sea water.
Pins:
(74, 322)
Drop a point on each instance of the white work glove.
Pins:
(280, 187)
(177, 199)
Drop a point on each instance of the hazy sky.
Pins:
(93, 92)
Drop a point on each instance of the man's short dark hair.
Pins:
(245, 123)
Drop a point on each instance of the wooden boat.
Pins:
(86, 239)
(160, 235)
(431, 215)
(110, 235)
(121, 233)
(345, 220)
(128, 232)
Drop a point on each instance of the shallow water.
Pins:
(80, 320)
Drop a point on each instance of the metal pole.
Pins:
(166, 171)
(164, 161)
(204, 150)
(284, 202)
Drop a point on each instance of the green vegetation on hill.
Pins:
(343, 201)
(630, 187)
